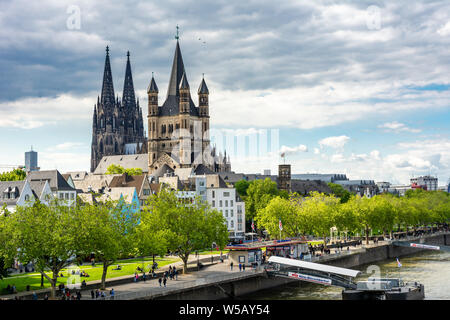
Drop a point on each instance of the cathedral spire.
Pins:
(107, 97)
(177, 73)
(128, 97)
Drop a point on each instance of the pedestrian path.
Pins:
(152, 289)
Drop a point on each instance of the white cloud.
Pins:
(30, 113)
(66, 146)
(336, 142)
(293, 150)
(397, 127)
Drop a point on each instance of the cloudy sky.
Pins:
(355, 87)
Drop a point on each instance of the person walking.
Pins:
(112, 293)
(160, 280)
(92, 294)
(176, 274)
(240, 267)
(97, 294)
(243, 267)
(144, 277)
(164, 281)
(35, 297)
(231, 266)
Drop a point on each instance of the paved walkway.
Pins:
(151, 288)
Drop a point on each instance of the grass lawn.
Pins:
(95, 273)
(315, 242)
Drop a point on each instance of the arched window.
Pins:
(101, 146)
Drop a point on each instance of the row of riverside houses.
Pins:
(188, 184)
(38, 185)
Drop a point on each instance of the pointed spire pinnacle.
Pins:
(203, 88)
(107, 97)
(128, 96)
(152, 88)
(177, 36)
(176, 74)
(184, 84)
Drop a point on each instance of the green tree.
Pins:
(259, 194)
(320, 209)
(340, 192)
(107, 231)
(14, 175)
(190, 227)
(152, 238)
(241, 187)
(7, 250)
(46, 236)
(118, 169)
(285, 210)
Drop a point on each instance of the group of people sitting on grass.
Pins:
(11, 289)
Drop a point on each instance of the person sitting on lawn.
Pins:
(118, 268)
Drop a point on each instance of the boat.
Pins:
(385, 289)
(371, 289)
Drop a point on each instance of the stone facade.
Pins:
(179, 130)
(116, 125)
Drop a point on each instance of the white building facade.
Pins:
(232, 209)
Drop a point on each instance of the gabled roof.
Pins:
(38, 188)
(55, 179)
(125, 180)
(127, 161)
(162, 170)
(10, 186)
(201, 169)
(94, 182)
(115, 193)
(77, 175)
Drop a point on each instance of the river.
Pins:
(430, 268)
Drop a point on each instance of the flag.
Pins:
(398, 263)
(280, 225)
(253, 226)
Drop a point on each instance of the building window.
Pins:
(226, 213)
(231, 213)
(61, 196)
(231, 203)
(213, 194)
(232, 224)
(213, 203)
(220, 203)
(226, 194)
(27, 197)
(226, 203)
(67, 196)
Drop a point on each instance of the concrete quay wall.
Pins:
(233, 289)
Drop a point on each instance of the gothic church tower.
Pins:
(117, 126)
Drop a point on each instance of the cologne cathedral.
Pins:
(117, 126)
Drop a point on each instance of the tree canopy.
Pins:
(186, 228)
(118, 169)
(14, 175)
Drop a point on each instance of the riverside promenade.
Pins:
(150, 289)
(216, 281)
